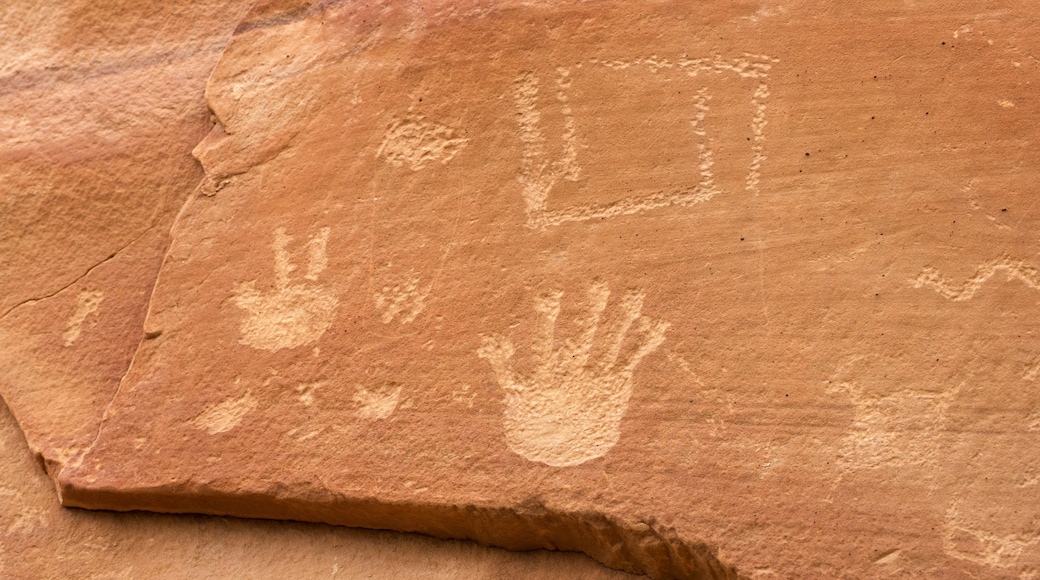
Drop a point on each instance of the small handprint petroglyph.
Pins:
(292, 314)
(569, 409)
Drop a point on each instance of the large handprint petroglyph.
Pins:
(569, 410)
(292, 314)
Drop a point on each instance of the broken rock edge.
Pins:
(658, 552)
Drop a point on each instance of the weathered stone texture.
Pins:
(40, 539)
(701, 290)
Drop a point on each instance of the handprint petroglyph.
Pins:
(292, 314)
(569, 409)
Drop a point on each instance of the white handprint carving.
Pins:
(292, 314)
(569, 410)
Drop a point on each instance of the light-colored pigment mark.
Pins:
(26, 519)
(966, 540)
(569, 410)
(404, 300)
(226, 415)
(306, 392)
(1033, 422)
(539, 174)
(1012, 269)
(86, 307)
(1005, 103)
(416, 142)
(377, 404)
(1032, 371)
(758, 125)
(888, 557)
(894, 430)
(291, 314)
(464, 395)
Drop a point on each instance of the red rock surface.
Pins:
(700, 290)
(40, 539)
(687, 288)
(100, 106)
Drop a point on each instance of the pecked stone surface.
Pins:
(40, 539)
(101, 104)
(697, 290)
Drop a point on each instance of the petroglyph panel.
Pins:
(638, 279)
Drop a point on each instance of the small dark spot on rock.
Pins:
(806, 153)
(1003, 209)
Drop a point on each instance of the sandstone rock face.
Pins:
(39, 539)
(702, 291)
(731, 288)
(100, 106)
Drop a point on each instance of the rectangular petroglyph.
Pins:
(647, 183)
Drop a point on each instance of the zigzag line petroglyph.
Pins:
(758, 125)
(1013, 270)
(569, 410)
(748, 66)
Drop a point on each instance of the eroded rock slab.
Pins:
(101, 104)
(682, 287)
(40, 539)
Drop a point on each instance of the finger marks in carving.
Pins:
(317, 258)
(292, 314)
(631, 305)
(548, 308)
(580, 347)
(653, 332)
(283, 267)
(498, 351)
